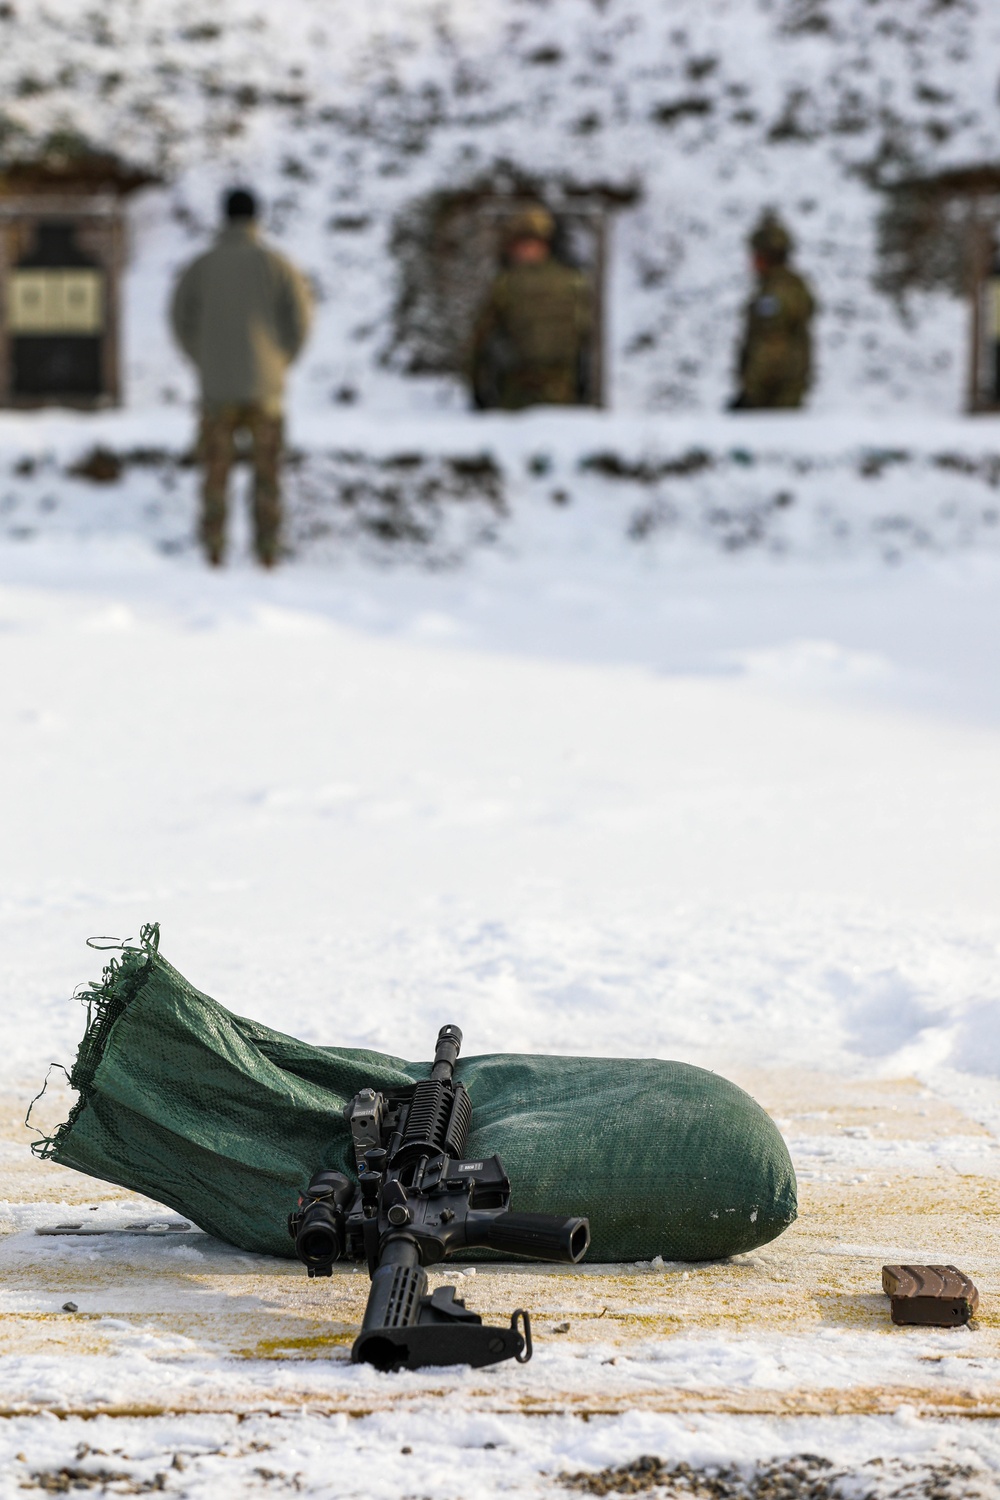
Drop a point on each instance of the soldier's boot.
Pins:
(213, 525)
(267, 437)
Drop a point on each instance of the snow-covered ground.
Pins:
(579, 790)
(584, 738)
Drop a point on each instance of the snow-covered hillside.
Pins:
(690, 115)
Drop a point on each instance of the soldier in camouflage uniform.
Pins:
(775, 357)
(241, 312)
(530, 339)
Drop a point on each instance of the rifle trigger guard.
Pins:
(521, 1314)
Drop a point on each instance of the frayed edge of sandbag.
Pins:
(106, 1000)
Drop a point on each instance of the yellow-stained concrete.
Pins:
(823, 1273)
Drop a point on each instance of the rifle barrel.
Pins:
(449, 1044)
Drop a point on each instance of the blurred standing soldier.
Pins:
(775, 357)
(241, 312)
(530, 339)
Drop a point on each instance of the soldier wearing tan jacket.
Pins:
(241, 313)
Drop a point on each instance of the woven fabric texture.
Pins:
(223, 1120)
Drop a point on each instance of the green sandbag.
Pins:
(223, 1120)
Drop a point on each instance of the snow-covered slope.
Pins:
(347, 115)
(541, 489)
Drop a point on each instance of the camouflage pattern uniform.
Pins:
(775, 357)
(531, 334)
(217, 451)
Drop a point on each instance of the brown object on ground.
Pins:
(101, 465)
(931, 1296)
(805, 1476)
(645, 1473)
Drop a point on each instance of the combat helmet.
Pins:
(771, 240)
(532, 223)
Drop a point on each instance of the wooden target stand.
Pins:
(984, 344)
(62, 252)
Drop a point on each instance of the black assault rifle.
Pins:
(418, 1199)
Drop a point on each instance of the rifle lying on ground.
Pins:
(419, 1199)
